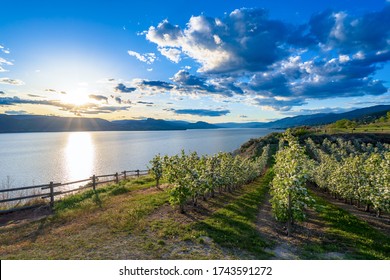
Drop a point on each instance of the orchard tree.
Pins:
(176, 173)
(156, 169)
(380, 180)
(288, 190)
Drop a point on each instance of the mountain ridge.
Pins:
(40, 123)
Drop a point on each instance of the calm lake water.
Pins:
(38, 158)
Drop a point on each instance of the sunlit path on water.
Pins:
(79, 155)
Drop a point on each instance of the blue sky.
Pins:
(213, 61)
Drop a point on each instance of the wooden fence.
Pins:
(47, 193)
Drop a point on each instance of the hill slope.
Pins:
(314, 119)
(320, 119)
(36, 123)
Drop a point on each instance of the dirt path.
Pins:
(24, 216)
(310, 232)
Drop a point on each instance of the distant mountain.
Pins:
(153, 124)
(148, 124)
(242, 125)
(363, 113)
(201, 125)
(321, 119)
(36, 123)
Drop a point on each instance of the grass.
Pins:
(90, 225)
(120, 207)
(234, 226)
(131, 220)
(114, 222)
(96, 196)
(383, 127)
(229, 232)
(348, 234)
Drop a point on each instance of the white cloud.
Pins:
(165, 35)
(274, 64)
(321, 110)
(338, 31)
(359, 55)
(172, 54)
(8, 81)
(344, 58)
(5, 62)
(244, 40)
(148, 58)
(4, 50)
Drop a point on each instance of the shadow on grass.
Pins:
(74, 201)
(352, 234)
(234, 226)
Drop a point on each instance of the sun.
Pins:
(77, 97)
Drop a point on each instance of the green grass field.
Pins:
(383, 127)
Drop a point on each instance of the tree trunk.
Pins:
(368, 207)
(195, 200)
(289, 221)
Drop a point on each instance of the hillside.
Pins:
(321, 119)
(314, 119)
(36, 123)
(253, 147)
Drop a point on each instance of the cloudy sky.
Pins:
(213, 61)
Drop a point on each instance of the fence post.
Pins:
(116, 178)
(51, 196)
(94, 182)
(137, 172)
(124, 174)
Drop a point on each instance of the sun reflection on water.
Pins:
(79, 153)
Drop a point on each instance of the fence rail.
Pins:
(22, 188)
(51, 190)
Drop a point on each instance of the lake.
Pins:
(38, 158)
